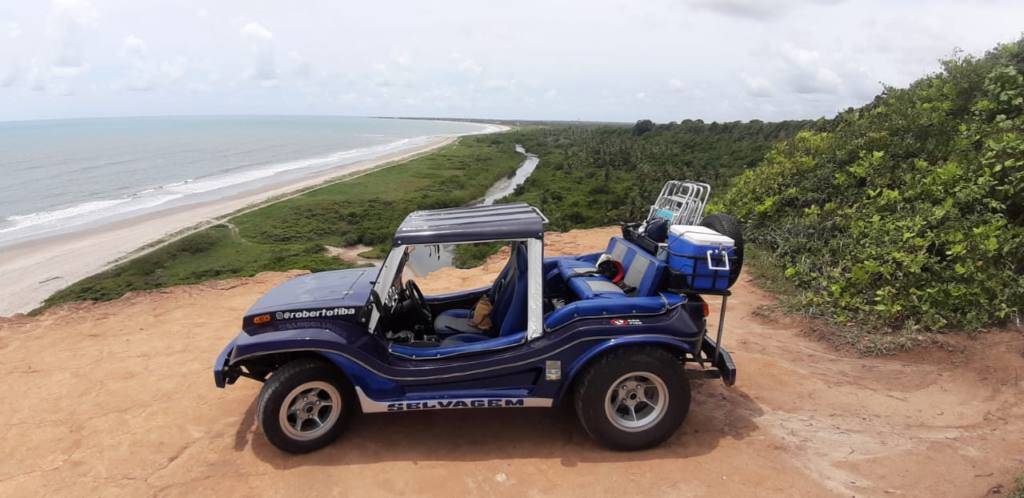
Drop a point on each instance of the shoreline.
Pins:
(35, 269)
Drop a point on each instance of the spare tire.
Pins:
(730, 227)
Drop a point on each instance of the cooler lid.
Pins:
(701, 235)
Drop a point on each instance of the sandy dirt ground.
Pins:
(117, 399)
(351, 254)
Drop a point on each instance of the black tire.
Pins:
(279, 388)
(730, 227)
(593, 392)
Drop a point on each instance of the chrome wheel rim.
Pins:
(636, 401)
(310, 410)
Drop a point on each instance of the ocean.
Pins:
(63, 175)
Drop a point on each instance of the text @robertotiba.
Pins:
(319, 313)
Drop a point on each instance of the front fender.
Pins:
(226, 369)
(222, 372)
(287, 341)
(569, 376)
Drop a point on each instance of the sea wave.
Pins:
(92, 211)
(216, 182)
(84, 212)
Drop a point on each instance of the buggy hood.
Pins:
(327, 296)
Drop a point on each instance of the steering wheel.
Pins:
(416, 295)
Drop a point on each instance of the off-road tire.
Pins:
(592, 391)
(287, 378)
(730, 227)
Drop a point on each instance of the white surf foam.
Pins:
(19, 226)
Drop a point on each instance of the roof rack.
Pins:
(681, 202)
(471, 224)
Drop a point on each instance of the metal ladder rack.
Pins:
(681, 202)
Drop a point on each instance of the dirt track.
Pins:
(118, 399)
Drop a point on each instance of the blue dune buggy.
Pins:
(613, 343)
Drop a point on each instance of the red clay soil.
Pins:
(118, 399)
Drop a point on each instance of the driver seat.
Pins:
(508, 313)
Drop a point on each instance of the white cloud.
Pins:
(67, 24)
(13, 30)
(175, 68)
(10, 75)
(136, 54)
(757, 86)
(257, 31)
(198, 88)
(36, 78)
(755, 9)
(63, 87)
(499, 84)
(800, 57)
(385, 77)
(300, 67)
(401, 58)
(467, 65)
(133, 47)
(806, 73)
(721, 60)
(820, 80)
(471, 67)
(261, 45)
(641, 95)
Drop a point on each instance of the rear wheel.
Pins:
(730, 227)
(304, 406)
(633, 399)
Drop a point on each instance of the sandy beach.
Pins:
(33, 270)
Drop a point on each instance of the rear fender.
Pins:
(674, 346)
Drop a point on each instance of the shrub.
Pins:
(909, 212)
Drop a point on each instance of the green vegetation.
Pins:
(1018, 488)
(596, 176)
(906, 215)
(292, 233)
(473, 255)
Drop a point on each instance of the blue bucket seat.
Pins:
(508, 313)
(644, 273)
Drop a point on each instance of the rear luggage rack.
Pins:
(681, 202)
(710, 351)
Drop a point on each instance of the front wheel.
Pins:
(304, 406)
(633, 399)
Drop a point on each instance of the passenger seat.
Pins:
(644, 273)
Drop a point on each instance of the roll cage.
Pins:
(517, 222)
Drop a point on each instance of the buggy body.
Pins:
(331, 344)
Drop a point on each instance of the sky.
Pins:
(665, 60)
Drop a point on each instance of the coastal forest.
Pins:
(900, 217)
(596, 176)
(891, 221)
